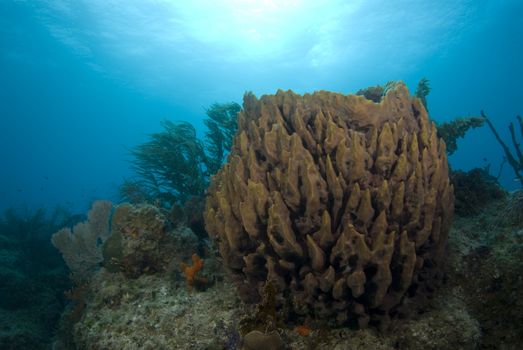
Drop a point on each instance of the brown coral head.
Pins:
(343, 203)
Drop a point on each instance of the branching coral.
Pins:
(515, 161)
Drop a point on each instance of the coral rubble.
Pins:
(343, 203)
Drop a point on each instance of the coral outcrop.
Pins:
(139, 241)
(342, 203)
(132, 239)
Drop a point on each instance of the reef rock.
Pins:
(343, 203)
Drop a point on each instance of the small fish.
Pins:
(19, 190)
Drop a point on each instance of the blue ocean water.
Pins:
(84, 81)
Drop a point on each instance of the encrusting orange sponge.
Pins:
(303, 330)
(191, 271)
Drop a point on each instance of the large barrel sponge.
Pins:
(344, 204)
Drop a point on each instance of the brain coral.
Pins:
(344, 204)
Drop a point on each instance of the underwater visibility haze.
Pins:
(143, 209)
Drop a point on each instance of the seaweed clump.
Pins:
(422, 91)
(222, 124)
(373, 93)
(474, 189)
(171, 165)
(174, 166)
(457, 128)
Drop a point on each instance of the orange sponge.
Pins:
(191, 271)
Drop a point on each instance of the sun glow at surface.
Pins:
(179, 47)
(248, 27)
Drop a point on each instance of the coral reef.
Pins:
(343, 203)
(449, 325)
(333, 210)
(479, 307)
(515, 161)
